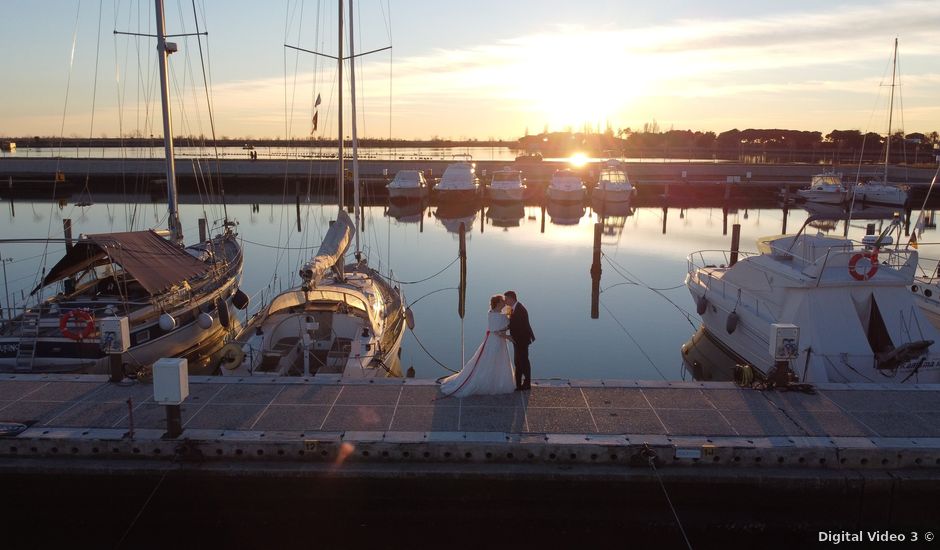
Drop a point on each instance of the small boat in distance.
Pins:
(506, 186)
(566, 186)
(459, 181)
(408, 185)
(825, 188)
(613, 184)
(827, 308)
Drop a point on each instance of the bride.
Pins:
(489, 371)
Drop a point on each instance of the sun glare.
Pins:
(578, 160)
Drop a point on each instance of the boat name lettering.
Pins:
(9, 348)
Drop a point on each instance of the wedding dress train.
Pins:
(489, 370)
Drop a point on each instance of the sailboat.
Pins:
(176, 300)
(880, 191)
(345, 320)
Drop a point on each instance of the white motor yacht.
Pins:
(850, 305)
(566, 186)
(459, 181)
(408, 185)
(506, 186)
(825, 188)
(613, 184)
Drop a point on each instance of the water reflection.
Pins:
(643, 248)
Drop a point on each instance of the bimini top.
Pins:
(154, 262)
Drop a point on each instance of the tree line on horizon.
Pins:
(565, 142)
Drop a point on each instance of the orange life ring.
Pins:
(853, 266)
(80, 315)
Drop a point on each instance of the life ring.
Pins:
(79, 315)
(853, 265)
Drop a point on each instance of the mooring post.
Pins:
(203, 230)
(543, 218)
(724, 220)
(462, 253)
(735, 243)
(67, 231)
(596, 272)
(665, 216)
(786, 212)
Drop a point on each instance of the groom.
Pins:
(520, 332)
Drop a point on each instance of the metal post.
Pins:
(174, 422)
(203, 230)
(6, 289)
(117, 368)
(596, 272)
(735, 243)
(67, 231)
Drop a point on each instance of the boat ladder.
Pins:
(29, 334)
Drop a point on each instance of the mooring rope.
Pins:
(650, 456)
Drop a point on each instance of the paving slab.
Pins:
(425, 419)
(615, 398)
(224, 417)
(385, 395)
(358, 418)
(675, 398)
(291, 417)
(492, 419)
(246, 394)
(560, 420)
(627, 421)
(694, 422)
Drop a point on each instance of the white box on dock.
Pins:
(784, 341)
(115, 334)
(170, 381)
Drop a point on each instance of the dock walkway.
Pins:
(406, 420)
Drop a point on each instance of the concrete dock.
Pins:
(588, 458)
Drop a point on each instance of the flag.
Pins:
(315, 115)
(913, 242)
(317, 102)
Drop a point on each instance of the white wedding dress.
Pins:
(489, 370)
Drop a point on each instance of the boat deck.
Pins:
(401, 420)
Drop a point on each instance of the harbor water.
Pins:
(544, 252)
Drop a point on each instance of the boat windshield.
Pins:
(505, 177)
(827, 180)
(613, 176)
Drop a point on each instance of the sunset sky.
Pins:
(479, 69)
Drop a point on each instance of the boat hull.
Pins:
(407, 193)
(565, 195)
(513, 194)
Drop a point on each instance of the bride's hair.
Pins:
(495, 300)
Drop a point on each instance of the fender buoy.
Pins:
(167, 322)
(204, 320)
(701, 304)
(77, 316)
(732, 323)
(240, 300)
(853, 265)
(410, 318)
(222, 311)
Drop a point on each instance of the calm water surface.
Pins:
(544, 255)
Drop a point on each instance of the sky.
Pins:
(482, 69)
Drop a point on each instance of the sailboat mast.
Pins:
(894, 73)
(176, 229)
(339, 70)
(355, 139)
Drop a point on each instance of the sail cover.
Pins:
(153, 261)
(332, 249)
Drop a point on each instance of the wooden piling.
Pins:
(596, 272)
(735, 243)
(67, 231)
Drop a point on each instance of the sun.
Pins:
(578, 160)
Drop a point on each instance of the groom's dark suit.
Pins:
(521, 333)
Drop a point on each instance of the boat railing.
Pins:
(701, 265)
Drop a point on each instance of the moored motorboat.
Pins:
(506, 186)
(408, 185)
(849, 303)
(459, 181)
(825, 188)
(613, 184)
(566, 186)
